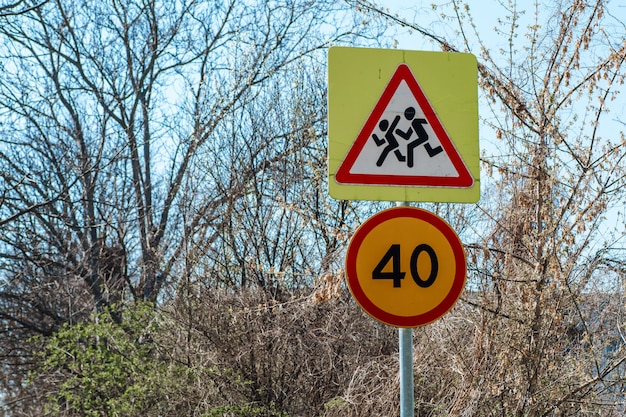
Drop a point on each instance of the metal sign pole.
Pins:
(405, 350)
(406, 372)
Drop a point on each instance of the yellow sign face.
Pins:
(402, 125)
(405, 267)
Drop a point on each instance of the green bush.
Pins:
(103, 367)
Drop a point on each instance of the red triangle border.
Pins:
(343, 175)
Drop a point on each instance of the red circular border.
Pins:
(372, 309)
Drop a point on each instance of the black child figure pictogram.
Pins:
(389, 139)
(422, 136)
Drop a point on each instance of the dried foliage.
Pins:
(297, 354)
(545, 244)
(232, 352)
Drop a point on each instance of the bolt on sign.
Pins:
(402, 125)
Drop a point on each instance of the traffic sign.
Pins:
(427, 156)
(405, 267)
(403, 125)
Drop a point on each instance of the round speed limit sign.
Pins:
(405, 267)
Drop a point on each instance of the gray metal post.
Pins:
(406, 372)
(405, 349)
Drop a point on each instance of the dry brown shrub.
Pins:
(299, 355)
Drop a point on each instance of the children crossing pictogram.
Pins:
(403, 142)
(392, 143)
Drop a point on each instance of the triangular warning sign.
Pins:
(403, 143)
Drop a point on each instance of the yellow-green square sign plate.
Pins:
(402, 125)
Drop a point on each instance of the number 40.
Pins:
(393, 255)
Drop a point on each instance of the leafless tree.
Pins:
(17, 7)
(131, 144)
